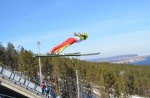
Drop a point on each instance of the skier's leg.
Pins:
(62, 48)
(69, 41)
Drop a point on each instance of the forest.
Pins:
(106, 77)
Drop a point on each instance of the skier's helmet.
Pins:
(85, 36)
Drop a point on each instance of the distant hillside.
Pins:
(120, 59)
(146, 61)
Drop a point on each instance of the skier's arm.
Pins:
(77, 34)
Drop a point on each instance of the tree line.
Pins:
(122, 78)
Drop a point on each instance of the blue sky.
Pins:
(115, 27)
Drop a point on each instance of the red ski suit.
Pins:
(68, 42)
(62, 46)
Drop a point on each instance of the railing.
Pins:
(18, 79)
(5, 96)
(31, 85)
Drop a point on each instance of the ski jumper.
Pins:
(67, 43)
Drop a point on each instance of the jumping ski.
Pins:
(67, 54)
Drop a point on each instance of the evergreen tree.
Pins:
(2, 54)
(11, 56)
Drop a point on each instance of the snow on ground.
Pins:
(135, 96)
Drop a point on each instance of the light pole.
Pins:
(78, 92)
(40, 65)
(122, 85)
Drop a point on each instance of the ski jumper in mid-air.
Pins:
(78, 38)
